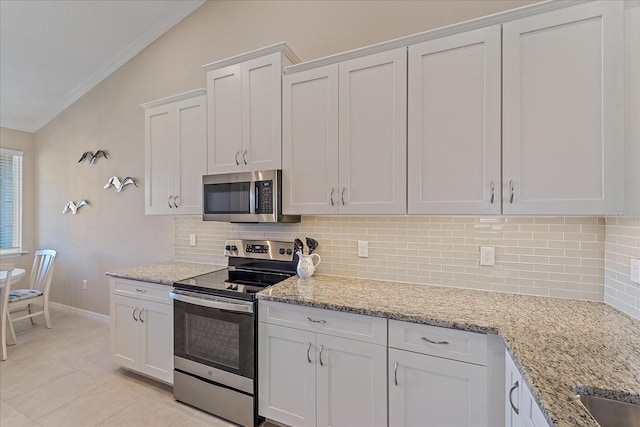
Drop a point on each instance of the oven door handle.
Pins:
(212, 303)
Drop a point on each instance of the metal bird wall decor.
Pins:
(93, 157)
(120, 185)
(73, 207)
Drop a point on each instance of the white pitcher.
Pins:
(306, 266)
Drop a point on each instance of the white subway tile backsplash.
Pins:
(622, 244)
(551, 256)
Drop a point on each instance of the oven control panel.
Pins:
(259, 249)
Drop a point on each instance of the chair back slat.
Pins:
(42, 270)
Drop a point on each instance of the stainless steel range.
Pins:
(215, 329)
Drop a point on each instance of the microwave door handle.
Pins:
(227, 306)
(253, 197)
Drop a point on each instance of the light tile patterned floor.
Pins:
(64, 377)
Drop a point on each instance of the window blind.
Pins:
(10, 200)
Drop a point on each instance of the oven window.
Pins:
(212, 337)
(213, 340)
(227, 198)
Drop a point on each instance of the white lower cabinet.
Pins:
(309, 378)
(521, 408)
(141, 330)
(429, 384)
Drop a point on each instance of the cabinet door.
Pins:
(262, 113)
(513, 390)
(373, 134)
(156, 352)
(124, 331)
(159, 159)
(455, 125)
(287, 375)
(310, 142)
(224, 119)
(531, 413)
(562, 116)
(351, 382)
(190, 154)
(430, 391)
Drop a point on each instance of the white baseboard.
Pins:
(75, 310)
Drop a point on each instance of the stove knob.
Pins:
(281, 251)
(234, 248)
(227, 248)
(289, 251)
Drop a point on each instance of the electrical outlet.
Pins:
(487, 255)
(85, 285)
(363, 249)
(635, 270)
(192, 239)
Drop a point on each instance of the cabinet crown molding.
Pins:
(174, 98)
(278, 47)
(473, 24)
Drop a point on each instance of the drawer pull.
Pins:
(141, 290)
(515, 386)
(308, 357)
(434, 342)
(316, 321)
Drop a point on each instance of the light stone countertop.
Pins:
(164, 273)
(561, 346)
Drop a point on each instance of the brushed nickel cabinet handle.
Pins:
(244, 157)
(434, 342)
(515, 386)
(332, 191)
(140, 315)
(308, 357)
(342, 195)
(134, 314)
(175, 201)
(236, 157)
(320, 356)
(493, 192)
(169, 201)
(316, 321)
(395, 373)
(512, 187)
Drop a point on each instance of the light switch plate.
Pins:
(487, 255)
(635, 270)
(363, 249)
(192, 239)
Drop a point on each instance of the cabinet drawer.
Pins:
(347, 325)
(141, 290)
(452, 344)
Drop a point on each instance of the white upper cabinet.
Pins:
(175, 153)
(310, 141)
(562, 111)
(344, 137)
(455, 125)
(244, 117)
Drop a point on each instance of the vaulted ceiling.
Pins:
(53, 52)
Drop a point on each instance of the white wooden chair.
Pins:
(4, 315)
(38, 292)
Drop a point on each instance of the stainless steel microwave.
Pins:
(252, 197)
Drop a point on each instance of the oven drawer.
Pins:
(337, 323)
(449, 343)
(141, 290)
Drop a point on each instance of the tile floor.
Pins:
(64, 377)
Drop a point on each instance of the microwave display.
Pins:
(264, 193)
(228, 198)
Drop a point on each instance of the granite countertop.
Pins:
(164, 273)
(561, 346)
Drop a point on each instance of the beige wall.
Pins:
(113, 231)
(24, 142)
